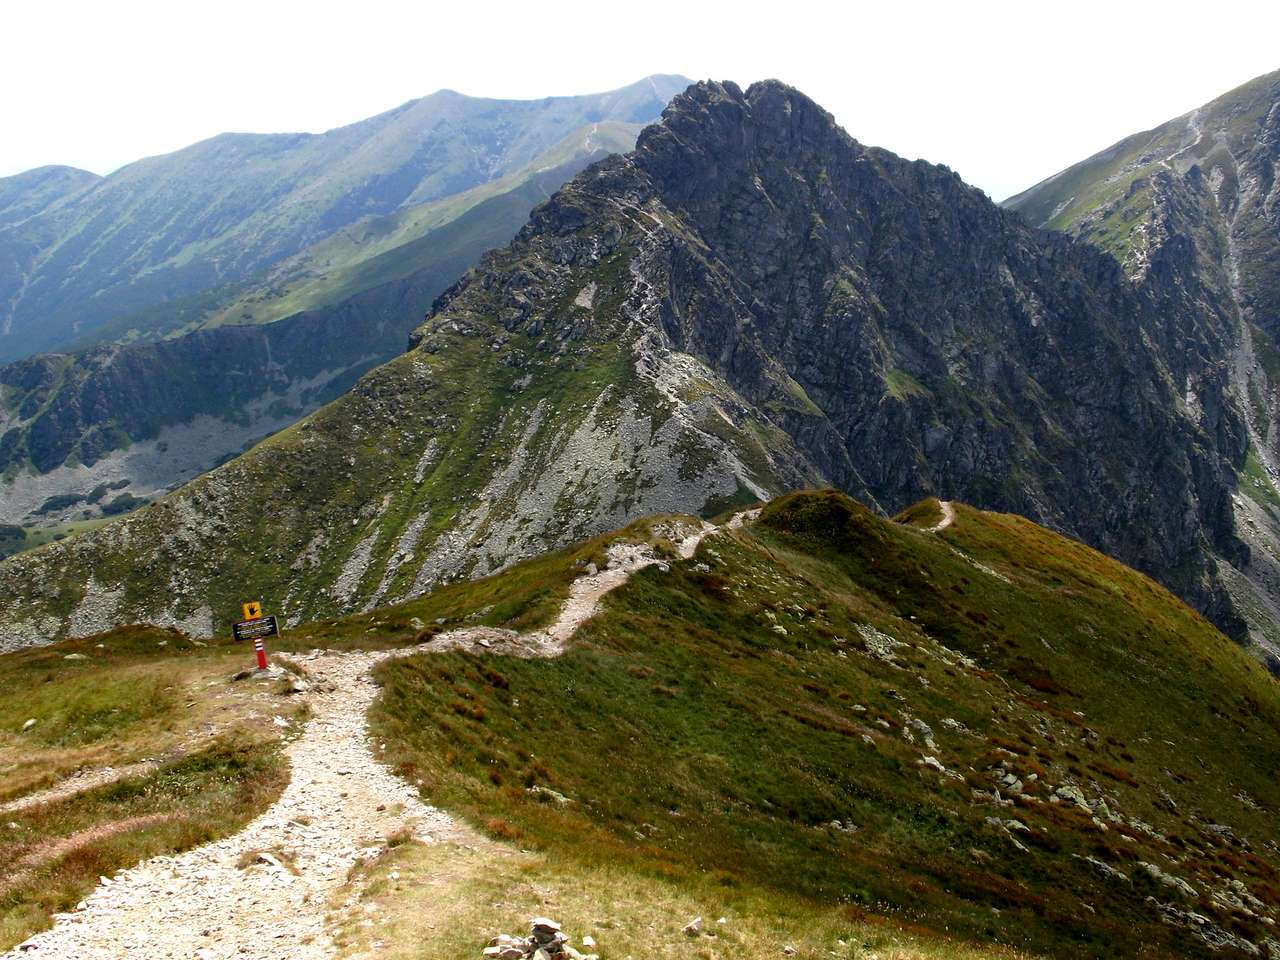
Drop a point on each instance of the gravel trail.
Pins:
(340, 805)
(77, 783)
(215, 902)
(948, 517)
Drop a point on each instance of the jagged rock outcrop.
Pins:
(750, 302)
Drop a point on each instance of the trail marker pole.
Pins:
(256, 627)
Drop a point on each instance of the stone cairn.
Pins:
(545, 942)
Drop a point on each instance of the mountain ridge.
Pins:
(224, 208)
(750, 302)
(1202, 188)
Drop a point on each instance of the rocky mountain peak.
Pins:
(750, 302)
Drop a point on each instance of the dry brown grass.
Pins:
(137, 693)
(443, 901)
(130, 700)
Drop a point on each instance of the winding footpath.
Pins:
(264, 893)
(948, 517)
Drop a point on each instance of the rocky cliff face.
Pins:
(749, 302)
(1195, 203)
(944, 348)
(143, 418)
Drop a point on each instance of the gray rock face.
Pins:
(914, 339)
(1197, 201)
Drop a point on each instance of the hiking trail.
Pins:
(264, 893)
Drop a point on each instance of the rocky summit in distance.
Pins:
(750, 302)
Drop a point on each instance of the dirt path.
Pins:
(340, 804)
(948, 517)
(64, 845)
(215, 903)
(77, 783)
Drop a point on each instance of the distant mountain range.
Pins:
(80, 252)
(143, 414)
(748, 303)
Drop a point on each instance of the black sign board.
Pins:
(256, 629)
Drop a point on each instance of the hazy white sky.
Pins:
(1004, 93)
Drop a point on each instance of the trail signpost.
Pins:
(256, 627)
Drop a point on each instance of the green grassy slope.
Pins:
(226, 208)
(439, 239)
(1107, 197)
(761, 717)
(33, 191)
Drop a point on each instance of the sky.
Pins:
(1004, 93)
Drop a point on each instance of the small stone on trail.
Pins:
(29, 724)
(693, 927)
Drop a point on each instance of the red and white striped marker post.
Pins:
(261, 651)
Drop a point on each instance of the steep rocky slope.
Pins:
(1202, 189)
(233, 205)
(750, 302)
(143, 417)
